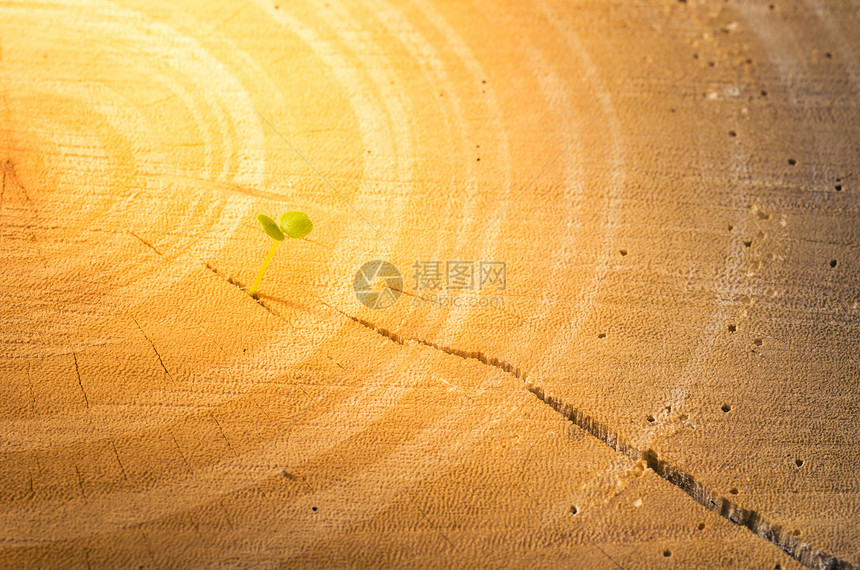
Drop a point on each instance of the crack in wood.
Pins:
(9, 169)
(224, 437)
(146, 243)
(229, 279)
(749, 518)
(787, 541)
(339, 365)
(78, 372)
(121, 466)
(476, 355)
(182, 455)
(432, 524)
(81, 483)
(160, 361)
(597, 546)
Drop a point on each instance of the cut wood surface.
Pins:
(666, 377)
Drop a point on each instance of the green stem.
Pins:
(262, 271)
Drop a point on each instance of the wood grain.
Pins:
(668, 378)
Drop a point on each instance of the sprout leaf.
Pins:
(295, 224)
(270, 227)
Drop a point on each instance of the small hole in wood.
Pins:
(622, 251)
(757, 342)
(601, 335)
(832, 263)
(726, 408)
(733, 491)
(701, 526)
(667, 553)
(650, 418)
(791, 162)
(732, 328)
(574, 510)
(798, 462)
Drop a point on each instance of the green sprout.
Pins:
(294, 224)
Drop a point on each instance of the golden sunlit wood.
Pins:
(583, 286)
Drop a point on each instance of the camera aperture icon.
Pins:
(377, 284)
